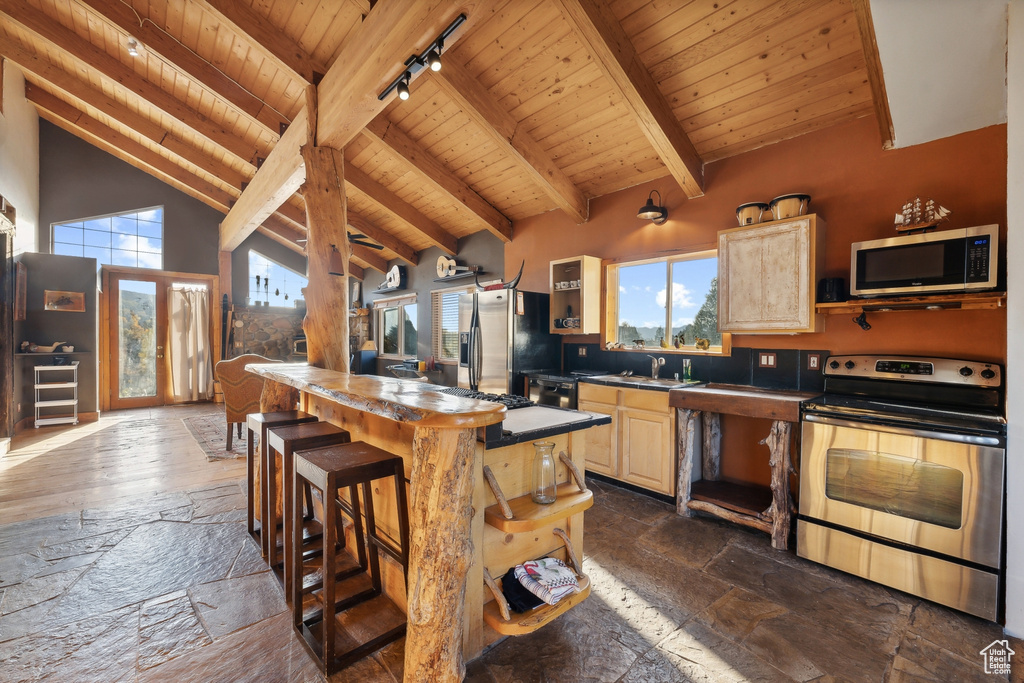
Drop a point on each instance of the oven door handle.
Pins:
(922, 433)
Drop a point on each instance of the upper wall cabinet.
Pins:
(576, 295)
(767, 275)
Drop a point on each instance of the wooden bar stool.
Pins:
(258, 424)
(287, 440)
(330, 469)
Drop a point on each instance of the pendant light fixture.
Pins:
(656, 213)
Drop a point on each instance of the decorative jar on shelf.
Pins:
(543, 492)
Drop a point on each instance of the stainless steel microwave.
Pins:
(947, 261)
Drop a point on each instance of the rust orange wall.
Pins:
(854, 185)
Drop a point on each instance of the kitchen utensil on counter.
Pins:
(544, 483)
(750, 213)
(789, 205)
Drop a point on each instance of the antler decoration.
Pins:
(511, 284)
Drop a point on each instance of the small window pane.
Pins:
(642, 303)
(154, 215)
(101, 255)
(390, 318)
(95, 238)
(98, 224)
(120, 257)
(67, 233)
(695, 300)
(125, 225)
(67, 249)
(409, 341)
(449, 333)
(151, 245)
(148, 229)
(277, 285)
(147, 260)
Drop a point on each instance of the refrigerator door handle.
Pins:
(475, 355)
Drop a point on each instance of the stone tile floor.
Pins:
(170, 588)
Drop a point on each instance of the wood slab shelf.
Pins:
(970, 301)
(529, 516)
(528, 622)
(745, 499)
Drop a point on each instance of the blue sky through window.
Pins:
(643, 292)
(127, 239)
(279, 285)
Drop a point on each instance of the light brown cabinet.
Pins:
(576, 295)
(767, 275)
(637, 447)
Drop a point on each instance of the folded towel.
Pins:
(519, 599)
(548, 578)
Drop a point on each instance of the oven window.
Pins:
(896, 485)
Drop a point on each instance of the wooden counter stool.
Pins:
(330, 469)
(258, 424)
(285, 441)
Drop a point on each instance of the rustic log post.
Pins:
(779, 511)
(440, 552)
(712, 452)
(277, 397)
(326, 321)
(686, 422)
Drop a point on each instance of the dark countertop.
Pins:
(641, 382)
(538, 422)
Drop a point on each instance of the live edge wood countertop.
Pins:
(401, 400)
(732, 399)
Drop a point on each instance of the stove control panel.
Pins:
(916, 369)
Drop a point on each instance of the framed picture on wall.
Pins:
(54, 300)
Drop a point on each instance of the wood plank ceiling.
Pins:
(541, 104)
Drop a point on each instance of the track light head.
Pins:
(403, 87)
(434, 60)
(133, 47)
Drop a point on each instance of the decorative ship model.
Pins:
(914, 216)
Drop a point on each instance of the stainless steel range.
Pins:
(902, 477)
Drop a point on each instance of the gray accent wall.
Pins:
(77, 180)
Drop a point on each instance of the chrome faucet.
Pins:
(656, 364)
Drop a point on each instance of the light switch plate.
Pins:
(766, 359)
(582, 351)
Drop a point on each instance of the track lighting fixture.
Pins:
(429, 57)
(650, 211)
(133, 47)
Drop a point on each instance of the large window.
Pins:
(444, 307)
(396, 326)
(670, 300)
(126, 239)
(271, 283)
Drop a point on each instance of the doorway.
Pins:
(136, 339)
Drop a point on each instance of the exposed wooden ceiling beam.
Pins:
(41, 70)
(123, 147)
(430, 168)
(264, 36)
(370, 257)
(883, 115)
(388, 201)
(383, 238)
(484, 109)
(607, 42)
(277, 179)
(159, 42)
(81, 49)
(377, 49)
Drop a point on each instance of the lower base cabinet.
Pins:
(637, 447)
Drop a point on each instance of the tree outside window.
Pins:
(396, 327)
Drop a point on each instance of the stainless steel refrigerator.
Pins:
(502, 335)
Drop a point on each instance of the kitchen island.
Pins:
(453, 545)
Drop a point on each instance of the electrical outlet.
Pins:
(767, 360)
(582, 351)
(238, 344)
(813, 361)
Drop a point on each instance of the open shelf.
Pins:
(528, 622)
(745, 499)
(965, 301)
(529, 516)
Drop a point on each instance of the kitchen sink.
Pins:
(641, 381)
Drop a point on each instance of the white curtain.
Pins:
(189, 343)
